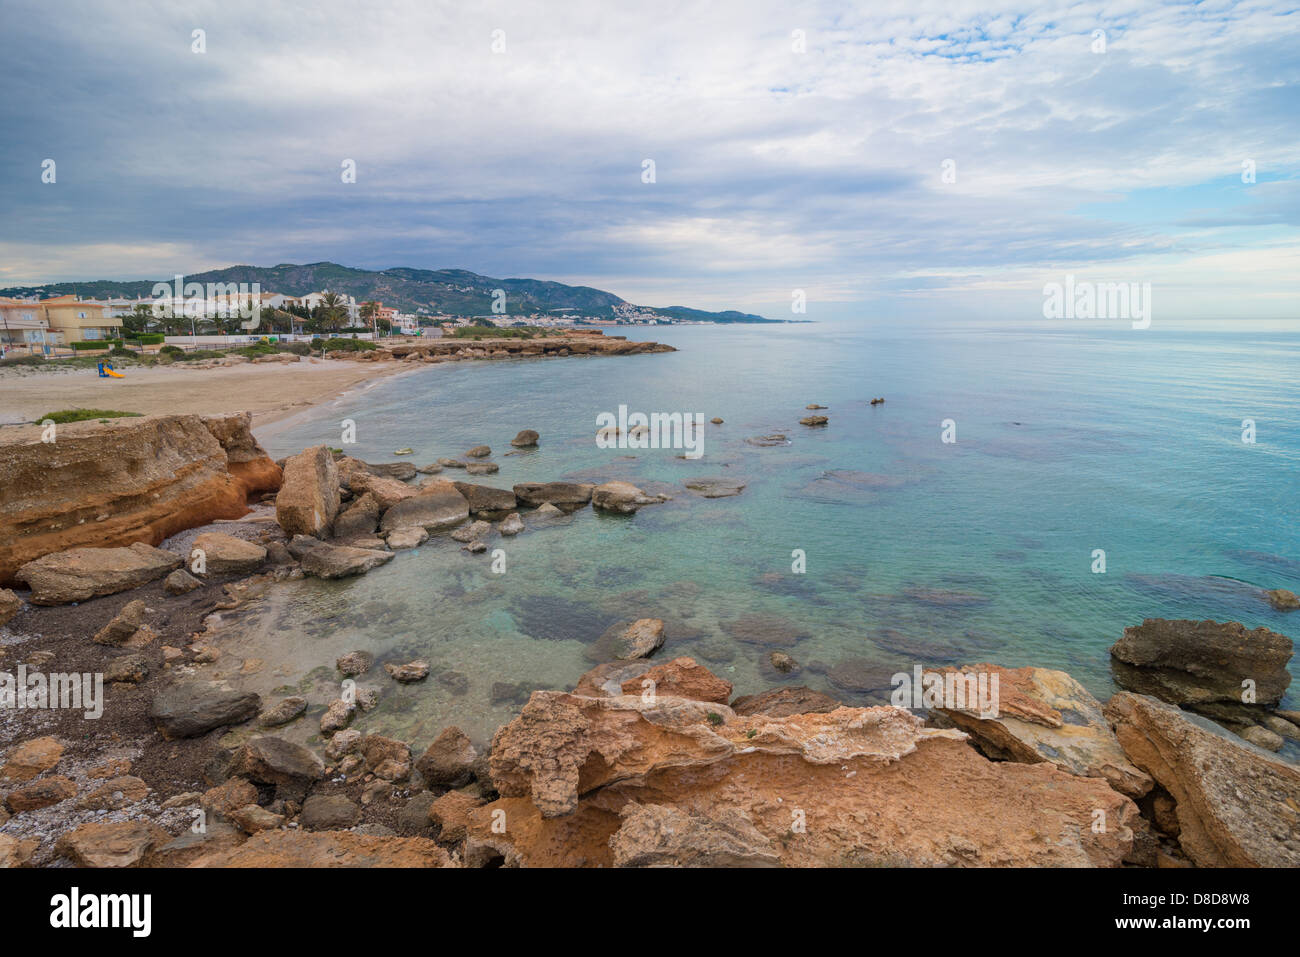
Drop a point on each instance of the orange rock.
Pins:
(682, 678)
(25, 761)
(328, 849)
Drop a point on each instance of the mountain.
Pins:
(455, 292)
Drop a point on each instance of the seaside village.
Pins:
(68, 325)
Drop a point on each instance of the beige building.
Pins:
(76, 320)
(23, 326)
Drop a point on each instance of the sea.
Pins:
(1025, 492)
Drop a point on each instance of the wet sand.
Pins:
(271, 391)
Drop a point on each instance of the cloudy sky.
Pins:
(795, 146)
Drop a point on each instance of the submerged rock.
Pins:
(1283, 600)
(526, 439)
(566, 495)
(283, 712)
(512, 524)
(409, 672)
(716, 487)
(622, 497)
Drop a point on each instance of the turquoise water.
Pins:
(1070, 438)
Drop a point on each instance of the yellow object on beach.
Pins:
(115, 375)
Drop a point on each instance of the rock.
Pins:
(15, 852)
(410, 537)
(1280, 726)
(359, 519)
(878, 401)
(768, 441)
(1044, 715)
(40, 793)
(433, 468)
(1235, 805)
(190, 707)
(355, 663)
(783, 702)
(568, 765)
(479, 452)
(526, 439)
(10, 605)
(308, 499)
(659, 836)
(451, 813)
(475, 548)
(349, 467)
(482, 468)
(291, 768)
(323, 560)
(813, 406)
(123, 625)
(230, 796)
(783, 662)
(130, 669)
(25, 761)
(115, 794)
(768, 630)
(252, 819)
(297, 848)
(1261, 737)
(1198, 662)
(328, 812)
(1283, 600)
(434, 508)
(606, 680)
(388, 758)
(277, 553)
(473, 532)
(337, 716)
(641, 639)
(82, 573)
(180, 582)
(512, 524)
(226, 555)
(622, 497)
(133, 479)
(411, 671)
(119, 844)
(682, 678)
(715, 420)
(566, 495)
(449, 761)
(386, 492)
(451, 463)
(343, 743)
(282, 713)
(814, 420)
(486, 500)
(715, 487)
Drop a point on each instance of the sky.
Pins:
(884, 159)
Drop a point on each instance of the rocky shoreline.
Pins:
(649, 760)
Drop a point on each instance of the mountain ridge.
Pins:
(454, 292)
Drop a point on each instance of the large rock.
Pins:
(822, 789)
(359, 519)
(123, 481)
(348, 467)
(308, 499)
(386, 491)
(117, 844)
(26, 760)
(290, 767)
(783, 702)
(328, 849)
(327, 812)
(324, 560)
(226, 555)
(436, 507)
(681, 678)
(1235, 805)
(525, 439)
(449, 761)
(486, 500)
(190, 707)
(565, 495)
(622, 497)
(81, 573)
(627, 642)
(1045, 715)
(1200, 662)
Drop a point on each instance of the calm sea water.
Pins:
(1069, 438)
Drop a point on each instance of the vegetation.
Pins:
(64, 416)
(336, 344)
(501, 332)
(25, 359)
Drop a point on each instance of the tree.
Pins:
(333, 310)
(369, 312)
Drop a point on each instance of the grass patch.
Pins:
(65, 416)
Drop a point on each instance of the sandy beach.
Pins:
(271, 391)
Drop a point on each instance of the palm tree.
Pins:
(369, 311)
(333, 309)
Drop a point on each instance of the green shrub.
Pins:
(151, 338)
(170, 350)
(64, 416)
(297, 348)
(91, 344)
(26, 359)
(336, 344)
